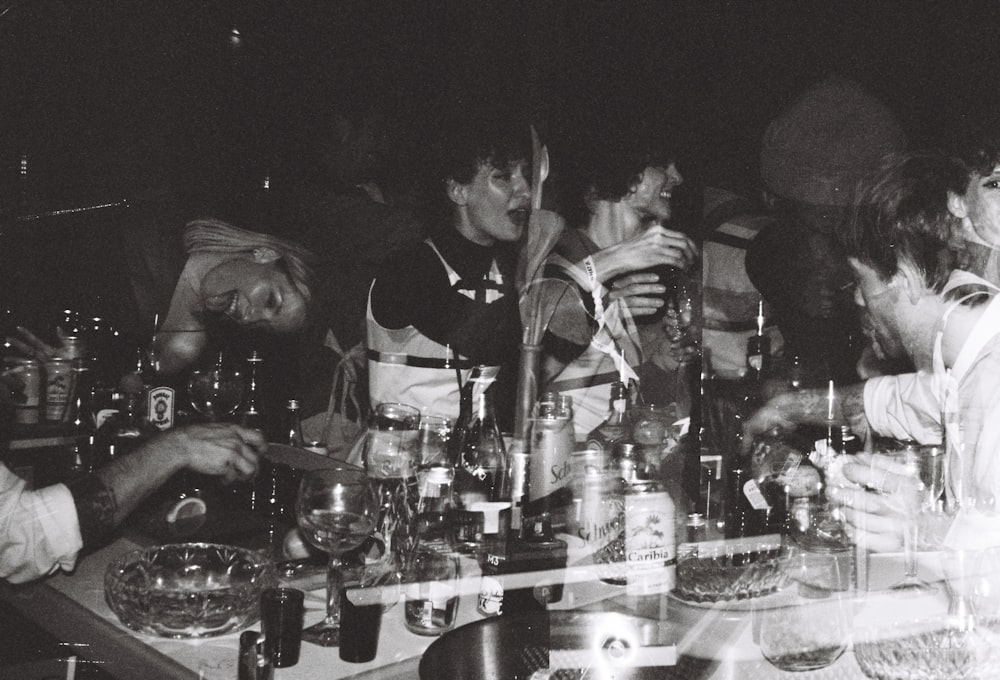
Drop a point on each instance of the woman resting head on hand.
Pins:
(255, 280)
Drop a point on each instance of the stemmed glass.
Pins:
(217, 391)
(926, 463)
(336, 510)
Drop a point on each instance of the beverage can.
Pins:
(59, 389)
(27, 371)
(650, 550)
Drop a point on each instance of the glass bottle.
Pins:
(161, 397)
(746, 508)
(759, 345)
(251, 414)
(481, 463)
(552, 445)
(603, 437)
(431, 571)
(125, 430)
(291, 432)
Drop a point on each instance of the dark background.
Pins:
(107, 99)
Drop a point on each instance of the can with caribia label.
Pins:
(650, 550)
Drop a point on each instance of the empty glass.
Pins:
(392, 449)
(435, 432)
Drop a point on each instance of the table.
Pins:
(72, 607)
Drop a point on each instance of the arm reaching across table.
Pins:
(45, 529)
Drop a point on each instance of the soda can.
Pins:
(60, 379)
(650, 549)
(27, 371)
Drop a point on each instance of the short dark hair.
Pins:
(608, 161)
(980, 151)
(470, 139)
(903, 214)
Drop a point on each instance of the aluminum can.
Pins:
(28, 372)
(60, 389)
(650, 549)
(601, 508)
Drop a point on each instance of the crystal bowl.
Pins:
(931, 649)
(188, 590)
(723, 571)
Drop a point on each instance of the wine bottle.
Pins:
(603, 437)
(291, 432)
(251, 415)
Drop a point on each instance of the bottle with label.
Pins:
(291, 431)
(161, 397)
(603, 437)
(552, 445)
(650, 543)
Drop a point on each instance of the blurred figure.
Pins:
(593, 337)
(45, 529)
(812, 156)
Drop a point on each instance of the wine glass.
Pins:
(336, 510)
(217, 391)
(927, 464)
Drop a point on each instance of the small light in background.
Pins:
(235, 37)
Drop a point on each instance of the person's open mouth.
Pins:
(519, 216)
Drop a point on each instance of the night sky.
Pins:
(107, 97)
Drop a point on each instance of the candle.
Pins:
(760, 317)
(829, 406)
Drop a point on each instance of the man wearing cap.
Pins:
(812, 157)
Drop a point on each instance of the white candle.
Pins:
(829, 407)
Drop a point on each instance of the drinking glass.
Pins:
(435, 432)
(392, 447)
(336, 511)
(217, 391)
(927, 464)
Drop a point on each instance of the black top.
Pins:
(412, 288)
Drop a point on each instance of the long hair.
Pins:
(208, 235)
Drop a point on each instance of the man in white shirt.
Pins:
(944, 320)
(44, 530)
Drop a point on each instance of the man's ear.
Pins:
(909, 279)
(265, 255)
(457, 192)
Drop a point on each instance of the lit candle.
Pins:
(760, 317)
(829, 406)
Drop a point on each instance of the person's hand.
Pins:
(876, 510)
(220, 449)
(29, 345)
(658, 245)
(641, 292)
(654, 246)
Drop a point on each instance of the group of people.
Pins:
(444, 303)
